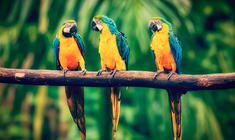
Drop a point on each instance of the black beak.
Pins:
(73, 29)
(153, 27)
(93, 26)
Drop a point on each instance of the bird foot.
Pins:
(158, 72)
(170, 74)
(100, 72)
(84, 71)
(65, 71)
(112, 73)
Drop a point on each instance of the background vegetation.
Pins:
(206, 30)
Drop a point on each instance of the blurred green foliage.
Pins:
(206, 30)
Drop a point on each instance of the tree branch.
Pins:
(122, 78)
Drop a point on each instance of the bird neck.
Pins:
(105, 33)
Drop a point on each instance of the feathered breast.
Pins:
(69, 53)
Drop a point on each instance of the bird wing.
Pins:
(56, 44)
(176, 51)
(123, 47)
(79, 41)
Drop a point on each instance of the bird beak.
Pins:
(93, 25)
(73, 29)
(152, 26)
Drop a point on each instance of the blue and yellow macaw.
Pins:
(68, 51)
(114, 53)
(167, 54)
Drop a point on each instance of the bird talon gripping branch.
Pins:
(158, 72)
(100, 72)
(170, 74)
(65, 71)
(83, 72)
(112, 73)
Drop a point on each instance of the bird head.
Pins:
(98, 21)
(69, 28)
(156, 24)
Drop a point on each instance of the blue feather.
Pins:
(55, 47)
(56, 44)
(123, 49)
(111, 24)
(176, 50)
(80, 43)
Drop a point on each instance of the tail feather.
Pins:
(173, 121)
(115, 100)
(175, 112)
(75, 100)
(179, 118)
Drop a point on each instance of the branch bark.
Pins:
(122, 78)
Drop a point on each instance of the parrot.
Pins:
(68, 49)
(114, 53)
(167, 53)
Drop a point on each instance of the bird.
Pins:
(114, 53)
(68, 50)
(167, 53)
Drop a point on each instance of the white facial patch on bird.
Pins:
(68, 26)
(99, 24)
(158, 23)
(100, 27)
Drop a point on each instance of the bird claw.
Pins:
(100, 72)
(84, 71)
(112, 73)
(170, 74)
(158, 72)
(65, 71)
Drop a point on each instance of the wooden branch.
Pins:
(122, 78)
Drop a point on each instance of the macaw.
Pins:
(68, 51)
(114, 53)
(167, 54)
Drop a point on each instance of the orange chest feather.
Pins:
(108, 48)
(161, 48)
(69, 53)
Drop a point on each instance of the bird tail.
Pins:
(75, 100)
(175, 112)
(115, 100)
